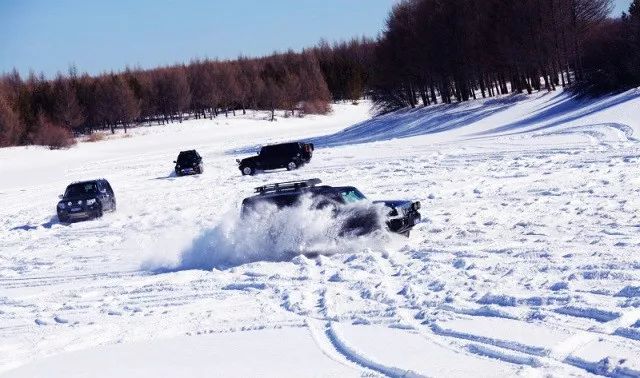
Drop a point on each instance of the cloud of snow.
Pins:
(272, 234)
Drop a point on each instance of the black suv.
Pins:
(188, 163)
(400, 217)
(285, 155)
(86, 200)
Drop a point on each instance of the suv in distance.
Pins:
(400, 218)
(86, 200)
(188, 163)
(284, 155)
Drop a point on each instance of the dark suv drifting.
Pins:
(285, 155)
(399, 216)
(188, 163)
(86, 200)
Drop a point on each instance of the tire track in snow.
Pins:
(533, 359)
(531, 363)
(564, 350)
(333, 344)
(29, 282)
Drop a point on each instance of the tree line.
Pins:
(443, 51)
(430, 51)
(41, 111)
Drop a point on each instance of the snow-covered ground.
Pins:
(526, 262)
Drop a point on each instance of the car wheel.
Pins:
(291, 166)
(98, 213)
(247, 171)
(113, 205)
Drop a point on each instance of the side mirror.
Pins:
(60, 196)
(175, 162)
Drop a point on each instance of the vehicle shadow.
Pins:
(170, 177)
(48, 224)
(24, 227)
(54, 220)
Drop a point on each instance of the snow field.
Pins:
(526, 262)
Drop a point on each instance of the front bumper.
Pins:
(186, 171)
(403, 224)
(83, 212)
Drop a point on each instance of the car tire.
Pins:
(98, 213)
(247, 170)
(291, 166)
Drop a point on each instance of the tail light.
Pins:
(416, 206)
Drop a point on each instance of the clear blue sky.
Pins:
(97, 36)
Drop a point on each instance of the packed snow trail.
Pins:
(525, 264)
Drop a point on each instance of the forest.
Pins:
(444, 51)
(430, 52)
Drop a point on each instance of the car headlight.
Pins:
(61, 205)
(91, 201)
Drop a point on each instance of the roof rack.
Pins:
(288, 185)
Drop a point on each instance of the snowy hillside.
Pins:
(526, 262)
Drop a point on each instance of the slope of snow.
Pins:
(525, 263)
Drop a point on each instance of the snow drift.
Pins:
(272, 234)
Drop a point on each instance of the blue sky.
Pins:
(97, 36)
(103, 35)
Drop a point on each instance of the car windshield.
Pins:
(187, 157)
(351, 195)
(82, 189)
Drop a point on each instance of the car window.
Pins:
(266, 151)
(280, 149)
(81, 189)
(351, 195)
(280, 201)
(286, 201)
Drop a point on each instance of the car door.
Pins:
(283, 156)
(269, 156)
